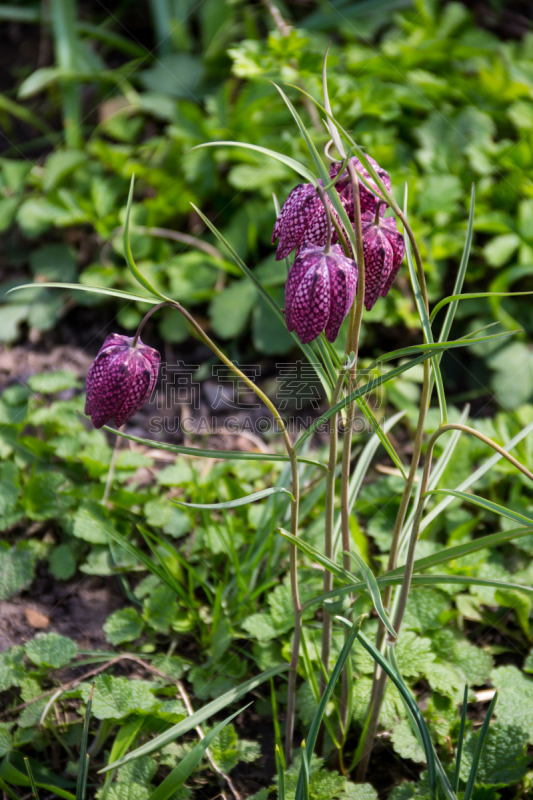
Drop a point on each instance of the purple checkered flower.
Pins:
(319, 292)
(120, 380)
(369, 201)
(302, 221)
(383, 248)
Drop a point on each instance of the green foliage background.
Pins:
(438, 101)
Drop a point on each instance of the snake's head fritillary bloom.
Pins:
(383, 248)
(368, 200)
(302, 221)
(319, 292)
(120, 380)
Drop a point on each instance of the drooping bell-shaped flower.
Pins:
(319, 292)
(302, 221)
(120, 379)
(383, 248)
(368, 200)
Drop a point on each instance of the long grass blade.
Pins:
(80, 287)
(373, 588)
(186, 767)
(488, 505)
(409, 700)
(197, 718)
(460, 741)
(459, 280)
(83, 768)
(319, 368)
(287, 160)
(240, 501)
(326, 697)
(128, 255)
(201, 452)
(470, 786)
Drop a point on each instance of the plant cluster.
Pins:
(320, 292)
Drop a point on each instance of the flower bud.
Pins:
(120, 380)
(302, 221)
(319, 292)
(383, 249)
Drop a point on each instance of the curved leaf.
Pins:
(287, 160)
(186, 767)
(197, 718)
(80, 287)
(488, 505)
(200, 452)
(240, 501)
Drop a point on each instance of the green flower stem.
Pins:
(379, 683)
(291, 693)
(352, 346)
(408, 574)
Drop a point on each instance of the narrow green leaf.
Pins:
(409, 700)
(300, 169)
(375, 594)
(470, 786)
(199, 452)
(240, 501)
(280, 764)
(460, 742)
(319, 369)
(361, 468)
(476, 475)
(128, 254)
(459, 280)
(83, 768)
(80, 287)
(186, 767)
(33, 787)
(326, 697)
(460, 550)
(426, 324)
(323, 173)
(488, 505)
(454, 298)
(198, 717)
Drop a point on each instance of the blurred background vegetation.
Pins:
(438, 96)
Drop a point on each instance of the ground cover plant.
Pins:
(350, 605)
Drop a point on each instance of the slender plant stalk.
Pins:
(291, 695)
(329, 523)
(111, 470)
(379, 683)
(352, 347)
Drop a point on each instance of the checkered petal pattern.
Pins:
(319, 292)
(302, 221)
(383, 248)
(120, 380)
(344, 186)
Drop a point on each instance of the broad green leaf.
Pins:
(51, 650)
(240, 501)
(198, 717)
